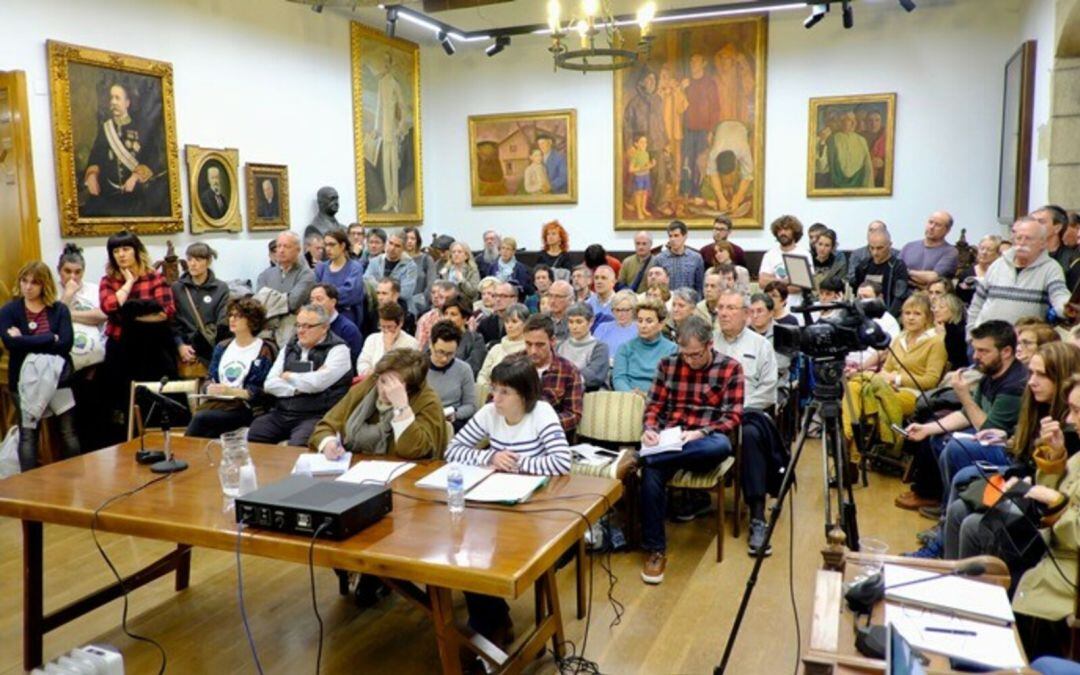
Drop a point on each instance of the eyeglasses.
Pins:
(307, 326)
(695, 356)
(445, 353)
(506, 295)
(624, 309)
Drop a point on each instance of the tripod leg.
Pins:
(847, 519)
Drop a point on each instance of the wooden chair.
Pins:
(189, 387)
(482, 393)
(713, 482)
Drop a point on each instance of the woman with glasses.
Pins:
(624, 328)
(389, 337)
(511, 343)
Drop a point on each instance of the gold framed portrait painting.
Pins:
(386, 127)
(114, 133)
(267, 196)
(851, 146)
(523, 158)
(690, 127)
(213, 189)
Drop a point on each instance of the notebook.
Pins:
(436, 480)
(670, 441)
(505, 488)
(952, 595)
(375, 471)
(317, 464)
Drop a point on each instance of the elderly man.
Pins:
(886, 270)
(283, 287)
(856, 257)
(311, 373)
(714, 286)
(560, 382)
(685, 267)
(491, 326)
(213, 199)
(842, 158)
(603, 294)
(581, 282)
(699, 392)
(560, 297)
(931, 258)
(632, 272)
(394, 264)
(442, 292)
(654, 275)
(762, 453)
(721, 230)
(490, 253)
(1024, 281)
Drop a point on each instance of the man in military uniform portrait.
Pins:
(126, 172)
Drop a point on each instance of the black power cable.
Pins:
(314, 599)
(240, 599)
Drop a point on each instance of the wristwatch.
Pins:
(398, 411)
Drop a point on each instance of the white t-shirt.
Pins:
(88, 347)
(236, 362)
(773, 263)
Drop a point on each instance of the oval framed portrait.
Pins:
(213, 189)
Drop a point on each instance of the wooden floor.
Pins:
(677, 627)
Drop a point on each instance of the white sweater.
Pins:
(373, 350)
(1008, 294)
(538, 440)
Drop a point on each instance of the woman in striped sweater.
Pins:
(523, 432)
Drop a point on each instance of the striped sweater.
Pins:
(538, 440)
(1007, 293)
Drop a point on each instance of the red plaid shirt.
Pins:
(149, 286)
(710, 399)
(563, 388)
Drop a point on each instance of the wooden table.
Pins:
(502, 552)
(831, 644)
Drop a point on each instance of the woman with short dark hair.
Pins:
(389, 337)
(344, 274)
(201, 301)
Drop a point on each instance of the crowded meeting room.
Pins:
(540, 336)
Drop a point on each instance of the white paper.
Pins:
(375, 471)
(509, 488)
(436, 480)
(590, 455)
(318, 464)
(966, 597)
(991, 645)
(670, 441)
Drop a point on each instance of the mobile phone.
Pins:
(986, 467)
(899, 429)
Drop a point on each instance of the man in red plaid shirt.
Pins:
(700, 391)
(560, 382)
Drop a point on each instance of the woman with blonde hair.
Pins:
(35, 324)
(486, 303)
(461, 269)
(1031, 335)
(508, 268)
(950, 319)
(916, 361)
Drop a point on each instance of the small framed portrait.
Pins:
(267, 196)
(116, 152)
(851, 146)
(523, 158)
(213, 189)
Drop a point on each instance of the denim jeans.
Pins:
(958, 454)
(700, 455)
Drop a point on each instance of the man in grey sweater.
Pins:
(589, 355)
(1024, 281)
(450, 377)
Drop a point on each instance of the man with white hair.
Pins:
(490, 253)
(1024, 281)
(632, 272)
(289, 276)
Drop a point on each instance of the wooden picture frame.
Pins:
(679, 185)
(1014, 166)
(386, 84)
(265, 214)
(114, 138)
(865, 126)
(213, 189)
(502, 150)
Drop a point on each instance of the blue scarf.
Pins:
(505, 270)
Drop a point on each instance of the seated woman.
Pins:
(35, 324)
(389, 337)
(623, 329)
(890, 395)
(950, 319)
(508, 268)
(589, 355)
(829, 262)
(1031, 335)
(724, 252)
(451, 378)
(201, 300)
(524, 436)
(511, 343)
(778, 291)
(238, 368)
(471, 349)
(636, 361)
(486, 303)
(542, 277)
(461, 269)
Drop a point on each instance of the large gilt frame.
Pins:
(60, 55)
(889, 99)
(197, 157)
(358, 33)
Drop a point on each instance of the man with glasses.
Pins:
(700, 392)
(491, 326)
(721, 230)
(632, 272)
(311, 374)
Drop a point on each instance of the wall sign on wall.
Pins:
(690, 127)
(523, 158)
(851, 146)
(114, 132)
(213, 189)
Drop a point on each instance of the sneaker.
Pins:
(931, 550)
(928, 534)
(757, 537)
(931, 512)
(696, 504)
(653, 571)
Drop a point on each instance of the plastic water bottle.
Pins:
(455, 490)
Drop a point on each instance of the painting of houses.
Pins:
(523, 158)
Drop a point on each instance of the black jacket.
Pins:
(210, 302)
(57, 341)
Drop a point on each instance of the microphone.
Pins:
(862, 597)
(972, 569)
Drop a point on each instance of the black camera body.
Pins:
(850, 327)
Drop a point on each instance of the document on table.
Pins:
(318, 464)
(591, 455)
(436, 480)
(949, 594)
(375, 471)
(670, 441)
(993, 646)
(505, 488)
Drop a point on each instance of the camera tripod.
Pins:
(827, 395)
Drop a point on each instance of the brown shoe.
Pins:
(913, 502)
(653, 571)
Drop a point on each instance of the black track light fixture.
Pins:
(501, 43)
(849, 15)
(391, 22)
(446, 42)
(908, 5)
(817, 13)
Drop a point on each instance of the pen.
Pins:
(950, 631)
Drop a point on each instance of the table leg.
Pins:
(580, 570)
(442, 615)
(183, 567)
(33, 594)
(551, 597)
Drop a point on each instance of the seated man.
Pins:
(442, 291)
(471, 349)
(491, 327)
(589, 355)
(451, 378)
(387, 292)
(309, 376)
(764, 455)
(560, 381)
(701, 392)
(326, 296)
(761, 320)
(636, 360)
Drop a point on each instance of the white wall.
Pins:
(945, 61)
(265, 76)
(1038, 24)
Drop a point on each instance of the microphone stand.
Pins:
(144, 456)
(170, 464)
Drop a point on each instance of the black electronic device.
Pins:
(301, 504)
